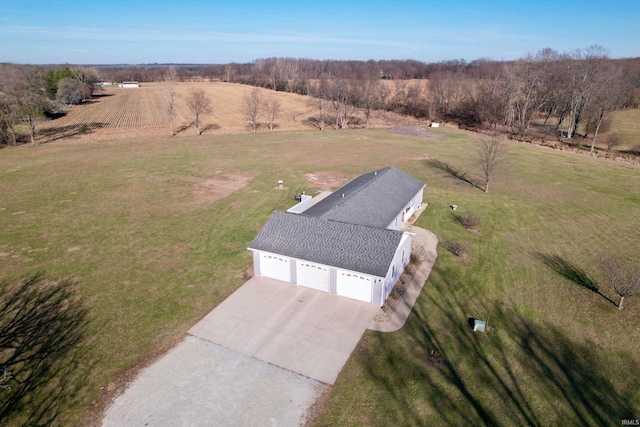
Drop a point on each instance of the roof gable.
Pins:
(350, 246)
(373, 199)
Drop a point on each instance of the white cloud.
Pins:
(128, 35)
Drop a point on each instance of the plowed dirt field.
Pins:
(117, 113)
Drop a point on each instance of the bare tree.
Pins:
(320, 92)
(612, 140)
(320, 104)
(557, 84)
(494, 93)
(383, 93)
(229, 73)
(266, 68)
(528, 96)
(367, 90)
(272, 107)
(492, 154)
(624, 277)
(287, 72)
(585, 71)
(342, 100)
(447, 90)
(608, 96)
(88, 77)
(199, 104)
(9, 117)
(253, 103)
(416, 104)
(71, 91)
(32, 105)
(400, 95)
(28, 95)
(170, 91)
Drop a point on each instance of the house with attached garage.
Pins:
(348, 244)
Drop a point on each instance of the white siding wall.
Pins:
(400, 260)
(397, 223)
(407, 211)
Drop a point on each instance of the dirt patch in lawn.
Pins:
(326, 180)
(414, 131)
(211, 189)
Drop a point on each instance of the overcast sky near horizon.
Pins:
(200, 31)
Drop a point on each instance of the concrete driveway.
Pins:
(199, 383)
(300, 329)
(229, 370)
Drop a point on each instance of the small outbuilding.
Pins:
(348, 244)
(129, 84)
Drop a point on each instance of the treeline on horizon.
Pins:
(578, 88)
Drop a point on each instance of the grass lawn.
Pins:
(627, 124)
(624, 123)
(150, 257)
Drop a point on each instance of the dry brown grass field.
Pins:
(118, 113)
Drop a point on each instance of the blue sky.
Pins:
(199, 31)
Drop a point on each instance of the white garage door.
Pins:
(354, 286)
(275, 266)
(314, 276)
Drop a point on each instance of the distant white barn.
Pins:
(130, 84)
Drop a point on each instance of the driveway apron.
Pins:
(300, 329)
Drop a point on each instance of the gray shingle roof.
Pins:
(353, 247)
(372, 199)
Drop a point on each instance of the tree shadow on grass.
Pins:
(210, 126)
(101, 95)
(456, 247)
(42, 324)
(457, 218)
(436, 371)
(635, 151)
(315, 122)
(183, 127)
(570, 271)
(460, 175)
(68, 131)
